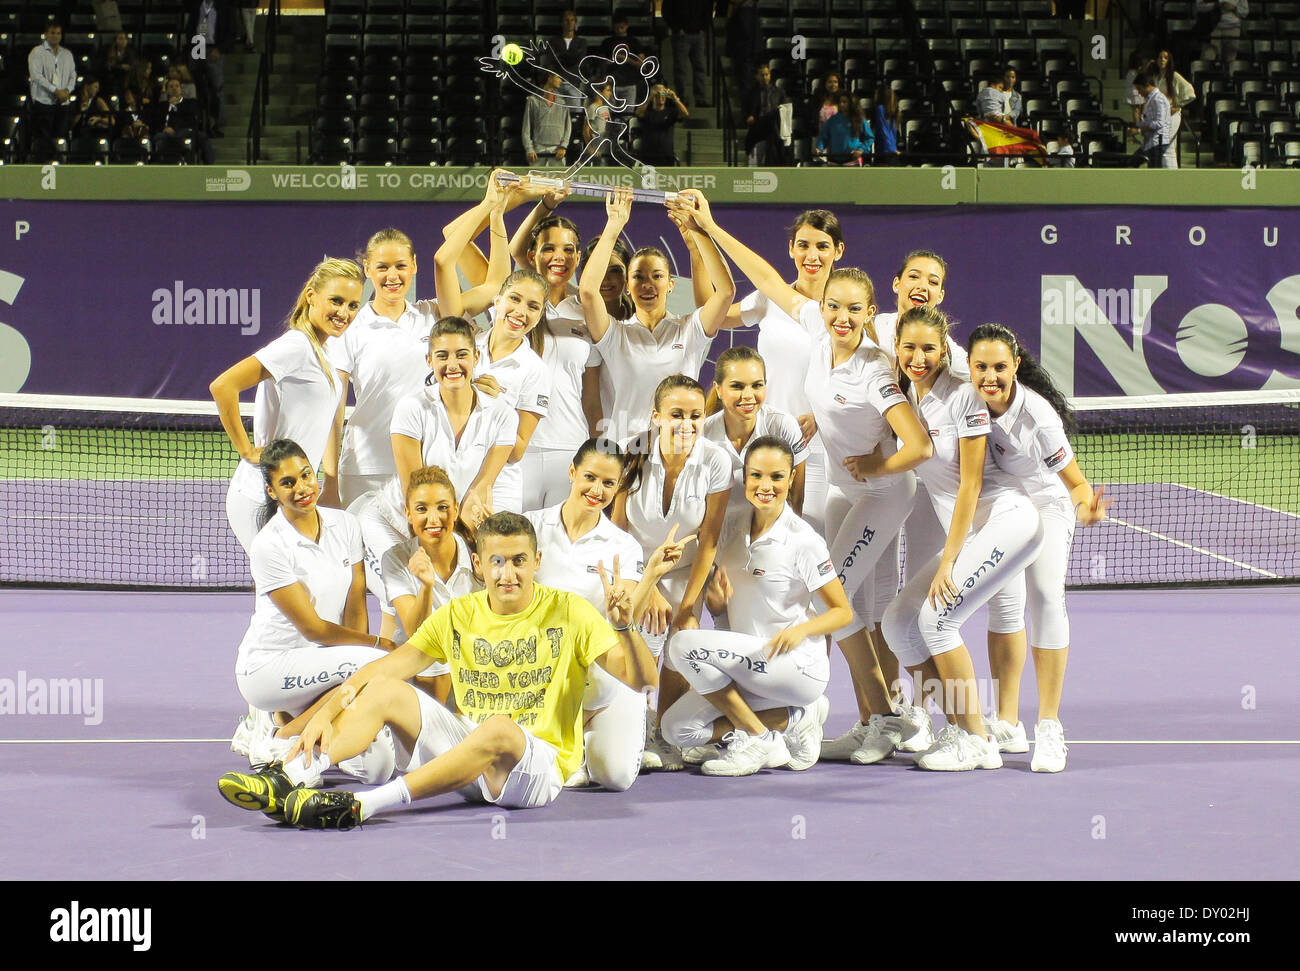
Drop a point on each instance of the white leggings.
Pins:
(242, 514)
(615, 734)
(1042, 585)
(925, 537)
(381, 530)
(814, 486)
(712, 659)
(545, 473)
(869, 516)
(1002, 542)
(673, 587)
(295, 678)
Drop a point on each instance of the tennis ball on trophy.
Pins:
(512, 53)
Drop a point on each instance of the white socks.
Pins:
(306, 775)
(386, 797)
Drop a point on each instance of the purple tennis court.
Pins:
(1179, 710)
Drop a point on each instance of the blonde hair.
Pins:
(859, 277)
(324, 271)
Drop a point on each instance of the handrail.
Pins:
(262, 87)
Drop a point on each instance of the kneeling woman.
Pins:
(773, 661)
(309, 630)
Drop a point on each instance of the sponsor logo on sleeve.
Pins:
(759, 573)
(1056, 458)
(824, 568)
(543, 401)
(841, 399)
(889, 390)
(980, 420)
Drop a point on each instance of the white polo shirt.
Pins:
(953, 410)
(887, 332)
(769, 421)
(773, 579)
(1028, 441)
(566, 354)
(424, 418)
(636, 359)
(525, 381)
(572, 566)
(785, 345)
(385, 361)
(707, 472)
(399, 581)
(849, 402)
(280, 557)
(296, 402)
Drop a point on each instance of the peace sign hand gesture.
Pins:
(618, 605)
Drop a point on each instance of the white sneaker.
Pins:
(956, 750)
(256, 723)
(699, 754)
(1010, 738)
(842, 748)
(917, 732)
(579, 779)
(876, 745)
(659, 756)
(1049, 746)
(746, 754)
(803, 736)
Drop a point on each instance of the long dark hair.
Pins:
(770, 441)
(1030, 373)
(931, 317)
(625, 307)
(732, 355)
(639, 449)
(822, 220)
(275, 453)
(536, 336)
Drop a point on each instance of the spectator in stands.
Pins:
(761, 106)
(131, 116)
(1225, 37)
(744, 43)
(53, 75)
(657, 119)
(888, 120)
(547, 125)
(115, 64)
(825, 99)
(93, 117)
(248, 21)
(1154, 124)
(567, 50)
(627, 76)
(845, 138)
(1180, 93)
(595, 121)
(177, 119)
(1137, 63)
(214, 20)
(1065, 151)
(687, 20)
(182, 74)
(1000, 101)
(145, 85)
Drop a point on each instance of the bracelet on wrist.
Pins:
(622, 629)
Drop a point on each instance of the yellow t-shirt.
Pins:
(530, 666)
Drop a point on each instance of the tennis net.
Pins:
(130, 493)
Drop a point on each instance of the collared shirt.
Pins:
(769, 421)
(1156, 113)
(706, 473)
(785, 345)
(297, 402)
(567, 354)
(774, 577)
(1028, 440)
(386, 362)
(525, 381)
(849, 402)
(887, 332)
(637, 359)
(50, 72)
(399, 581)
(282, 556)
(572, 564)
(951, 411)
(423, 417)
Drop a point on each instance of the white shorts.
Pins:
(291, 680)
(535, 781)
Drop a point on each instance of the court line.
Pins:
(1244, 502)
(1073, 741)
(1196, 549)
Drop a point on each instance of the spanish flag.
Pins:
(998, 139)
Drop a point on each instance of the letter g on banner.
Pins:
(15, 353)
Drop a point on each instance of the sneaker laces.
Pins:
(1052, 740)
(736, 741)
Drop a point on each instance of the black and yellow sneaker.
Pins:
(261, 791)
(320, 809)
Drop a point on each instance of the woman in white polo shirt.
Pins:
(429, 569)
(739, 414)
(645, 348)
(675, 479)
(1031, 420)
(816, 243)
(859, 411)
(298, 391)
(773, 658)
(575, 539)
(991, 533)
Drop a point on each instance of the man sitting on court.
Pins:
(518, 653)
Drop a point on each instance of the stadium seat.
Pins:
(331, 149)
(376, 149)
(420, 150)
(130, 151)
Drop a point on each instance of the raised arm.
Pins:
(225, 390)
(760, 272)
(477, 299)
(459, 232)
(618, 209)
(548, 200)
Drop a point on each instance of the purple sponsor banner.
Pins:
(156, 299)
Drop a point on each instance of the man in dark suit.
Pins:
(214, 21)
(177, 119)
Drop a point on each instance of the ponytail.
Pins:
(326, 270)
(537, 335)
(639, 448)
(275, 453)
(861, 279)
(1029, 373)
(732, 355)
(930, 317)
